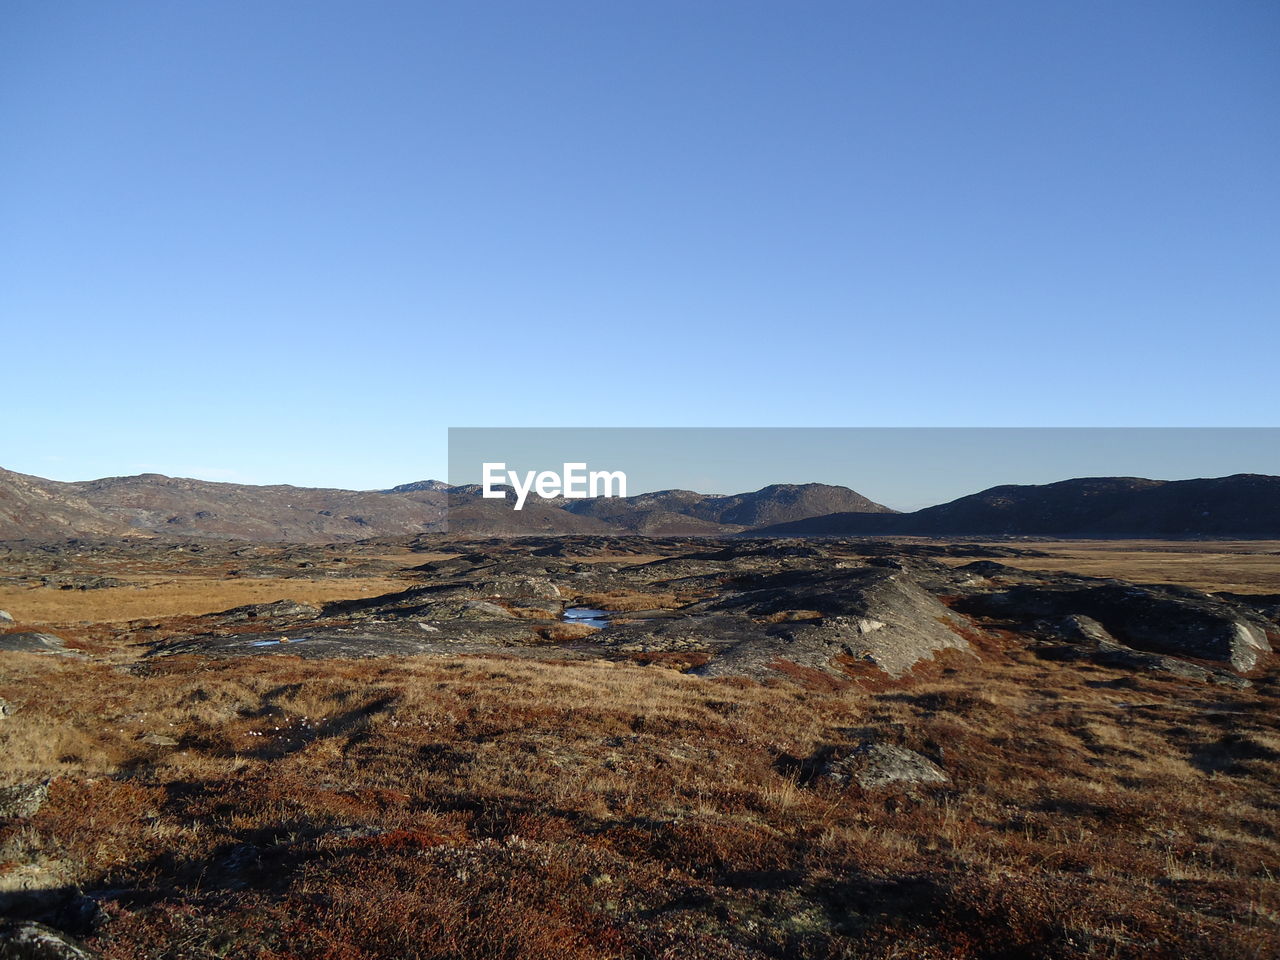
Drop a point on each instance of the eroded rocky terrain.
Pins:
(603, 746)
(747, 609)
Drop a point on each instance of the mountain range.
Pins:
(1240, 506)
(1244, 505)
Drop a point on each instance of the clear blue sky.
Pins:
(293, 242)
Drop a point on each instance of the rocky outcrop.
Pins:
(280, 611)
(31, 642)
(758, 608)
(871, 615)
(1086, 638)
(1174, 621)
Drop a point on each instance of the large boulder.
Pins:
(875, 766)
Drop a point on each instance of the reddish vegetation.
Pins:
(275, 808)
(506, 808)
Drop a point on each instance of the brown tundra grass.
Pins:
(469, 807)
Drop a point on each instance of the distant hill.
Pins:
(783, 502)
(37, 509)
(686, 513)
(1244, 506)
(418, 486)
(153, 504)
(1240, 506)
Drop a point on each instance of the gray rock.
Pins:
(23, 799)
(32, 643)
(874, 766)
(484, 610)
(5, 708)
(6, 617)
(1086, 630)
(26, 940)
(518, 586)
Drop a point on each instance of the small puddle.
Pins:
(272, 643)
(588, 615)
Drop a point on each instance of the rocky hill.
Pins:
(776, 503)
(153, 504)
(37, 509)
(1240, 506)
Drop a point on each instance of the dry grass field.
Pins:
(489, 808)
(176, 595)
(1244, 567)
(1239, 566)
(273, 808)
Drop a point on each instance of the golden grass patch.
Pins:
(178, 596)
(1236, 566)
(628, 601)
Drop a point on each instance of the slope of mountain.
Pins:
(418, 486)
(30, 508)
(782, 502)
(686, 513)
(158, 504)
(1243, 505)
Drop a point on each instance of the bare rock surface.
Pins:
(875, 766)
(33, 642)
(23, 799)
(869, 614)
(27, 940)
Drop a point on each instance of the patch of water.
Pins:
(272, 643)
(588, 615)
